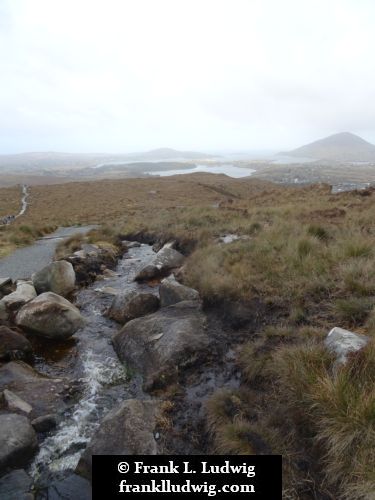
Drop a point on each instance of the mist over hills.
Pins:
(50, 160)
(342, 147)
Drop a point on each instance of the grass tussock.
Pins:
(304, 406)
(335, 409)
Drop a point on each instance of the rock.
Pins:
(165, 260)
(148, 272)
(342, 342)
(130, 244)
(4, 314)
(50, 316)
(90, 249)
(80, 254)
(171, 292)
(18, 441)
(4, 282)
(45, 395)
(44, 423)
(15, 403)
(126, 430)
(132, 304)
(71, 488)
(13, 345)
(24, 292)
(168, 258)
(161, 344)
(89, 265)
(5, 286)
(16, 486)
(58, 277)
(108, 273)
(107, 290)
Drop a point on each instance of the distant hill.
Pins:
(171, 154)
(343, 147)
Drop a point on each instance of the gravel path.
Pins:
(22, 263)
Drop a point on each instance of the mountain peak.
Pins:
(343, 146)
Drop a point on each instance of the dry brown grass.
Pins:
(308, 253)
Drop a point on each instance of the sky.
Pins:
(212, 75)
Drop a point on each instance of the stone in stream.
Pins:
(16, 485)
(15, 403)
(24, 292)
(132, 304)
(44, 423)
(5, 286)
(171, 292)
(164, 261)
(70, 488)
(343, 342)
(45, 395)
(58, 277)
(50, 316)
(128, 429)
(161, 344)
(130, 244)
(88, 266)
(18, 441)
(13, 345)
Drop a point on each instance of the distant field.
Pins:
(10, 200)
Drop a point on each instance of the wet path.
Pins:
(23, 262)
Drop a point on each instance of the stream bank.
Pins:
(96, 382)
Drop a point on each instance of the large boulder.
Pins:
(18, 440)
(16, 485)
(164, 261)
(13, 345)
(50, 316)
(171, 292)
(58, 277)
(70, 488)
(24, 292)
(343, 342)
(163, 343)
(45, 395)
(132, 304)
(126, 430)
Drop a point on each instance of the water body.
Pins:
(227, 169)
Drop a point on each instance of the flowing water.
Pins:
(89, 360)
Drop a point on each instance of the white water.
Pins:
(102, 379)
(79, 427)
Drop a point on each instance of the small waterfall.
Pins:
(77, 428)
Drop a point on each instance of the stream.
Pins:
(88, 360)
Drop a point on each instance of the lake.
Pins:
(227, 169)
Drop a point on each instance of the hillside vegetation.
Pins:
(305, 262)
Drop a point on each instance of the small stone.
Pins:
(14, 402)
(343, 342)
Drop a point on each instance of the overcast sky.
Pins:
(128, 75)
